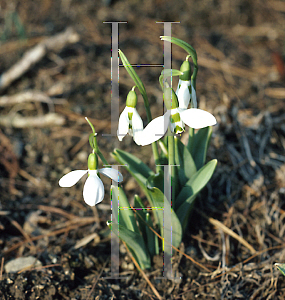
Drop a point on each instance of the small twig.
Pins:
(29, 177)
(232, 234)
(57, 211)
(30, 96)
(80, 222)
(34, 55)
(25, 235)
(228, 231)
(18, 121)
(143, 273)
(38, 268)
(1, 268)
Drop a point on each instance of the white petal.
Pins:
(112, 173)
(93, 191)
(197, 118)
(178, 86)
(183, 94)
(123, 125)
(193, 97)
(71, 178)
(137, 126)
(155, 130)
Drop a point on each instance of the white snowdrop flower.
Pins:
(175, 118)
(130, 121)
(93, 191)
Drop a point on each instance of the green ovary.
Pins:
(175, 118)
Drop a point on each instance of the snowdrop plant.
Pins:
(191, 173)
(137, 225)
(93, 191)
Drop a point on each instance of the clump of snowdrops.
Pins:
(181, 171)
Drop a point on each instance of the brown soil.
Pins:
(241, 81)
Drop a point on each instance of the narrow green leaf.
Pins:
(135, 242)
(134, 76)
(168, 73)
(156, 180)
(160, 202)
(152, 240)
(188, 48)
(185, 199)
(185, 210)
(126, 215)
(200, 146)
(141, 211)
(164, 150)
(136, 167)
(183, 158)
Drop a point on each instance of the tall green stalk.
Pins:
(171, 163)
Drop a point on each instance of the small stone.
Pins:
(21, 263)
(115, 287)
(9, 281)
(88, 262)
(124, 265)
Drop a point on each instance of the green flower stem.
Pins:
(95, 144)
(171, 163)
(193, 77)
(103, 159)
(154, 144)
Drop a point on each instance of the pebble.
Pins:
(21, 263)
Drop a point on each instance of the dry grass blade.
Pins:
(225, 229)
(143, 273)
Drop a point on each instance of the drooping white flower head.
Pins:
(184, 96)
(130, 121)
(185, 90)
(93, 191)
(175, 118)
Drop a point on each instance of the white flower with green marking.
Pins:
(183, 94)
(185, 90)
(93, 191)
(175, 118)
(130, 121)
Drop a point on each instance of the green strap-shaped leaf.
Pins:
(200, 144)
(152, 239)
(135, 242)
(188, 48)
(183, 158)
(139, 170)
(156, 180)
(160, 202)
(141, 218)
(168, 73)
(126, 215)
(137, 81)
(184, 201)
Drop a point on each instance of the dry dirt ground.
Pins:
(43, 135)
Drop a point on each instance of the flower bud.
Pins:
(186, 69)
(132, 99)
(92, 161)
(170, 98)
